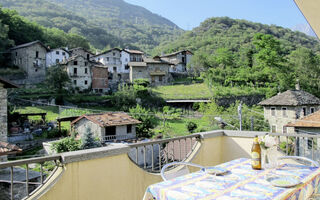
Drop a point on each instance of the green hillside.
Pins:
(105, 23)
(243, 54)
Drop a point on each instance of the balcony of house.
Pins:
(125, 170)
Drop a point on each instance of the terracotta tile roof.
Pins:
(6, 148)
(309, 121)
(109, 119)
(292, 98)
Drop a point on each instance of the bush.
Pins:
(148, 121)
(66, 145)
(142, 82)
(55, 133)
(191, 126)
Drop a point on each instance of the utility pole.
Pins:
(252, 120)
(240, 115)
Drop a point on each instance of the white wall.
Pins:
(52, 56)
(114, 57)
(125, 59)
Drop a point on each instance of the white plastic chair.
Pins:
(177, 172)
(314, 163)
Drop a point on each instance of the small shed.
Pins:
(107, 126)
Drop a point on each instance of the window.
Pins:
(63, 53)
(119, 76)
(96, 90)
(273, 111)
(75, 71)
(129, 128)
(85, 63)
(312, 110)
(88, 56)
(75, 82)
(284, 111)
(86, 82)
(284, 129)
(85, 70)
(107, 58)
(126, 59)
(110, 130)
(16, 53)
(310, 141)
(75, 62)
(183, 60)
(152, 79)
(57, 52)
(37, 54)
(126, 67)
(57, 61)
(160, 78)
(100, 90)
(304, 111)
(36, 70)
(273, 128)
(114, 54)
(114, 69)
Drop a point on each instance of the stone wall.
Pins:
(280, 119)
(27, 60)
(3, 114)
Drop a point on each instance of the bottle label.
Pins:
(255, 158)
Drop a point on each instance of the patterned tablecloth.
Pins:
(241, 182)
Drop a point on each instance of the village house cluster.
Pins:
(98, 72)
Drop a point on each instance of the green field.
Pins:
(192, 91)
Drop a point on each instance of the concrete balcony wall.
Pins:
(108, 173)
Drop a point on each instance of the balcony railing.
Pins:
(207, 149)
(110, 138)
(151, 156)
(30, 186)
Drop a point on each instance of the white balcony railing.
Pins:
(109, 138)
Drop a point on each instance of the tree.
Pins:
(87, 140)
(191, 126)
(148, 119)
(57, 78)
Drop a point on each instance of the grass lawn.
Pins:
(179, 127)
(192, 91)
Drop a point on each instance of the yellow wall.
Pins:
(310, 9)
(117, 177)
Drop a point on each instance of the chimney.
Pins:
(298, 86)
(67, 48)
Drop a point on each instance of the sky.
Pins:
(188, 14)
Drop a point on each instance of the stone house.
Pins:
(155, 70)
(180, 60)
(111, 59)
(82, 52)
(4, 84)
(309, 124)
(107, 126)
(56, 56)
(79, 71)
(129, 55)
(100, 79)
(31, 57)
(288, 107)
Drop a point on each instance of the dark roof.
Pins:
(156, 60)
(6, 148)
(177, 52)
(64, 49)
(131, 51)
(71, 50)
(309, 121)
(109, 119)
(291, 98)
(7, 84)
(117, 49)
(29, 44)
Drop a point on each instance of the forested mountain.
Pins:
(238, 53)
(15, 30)
(105, 23)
